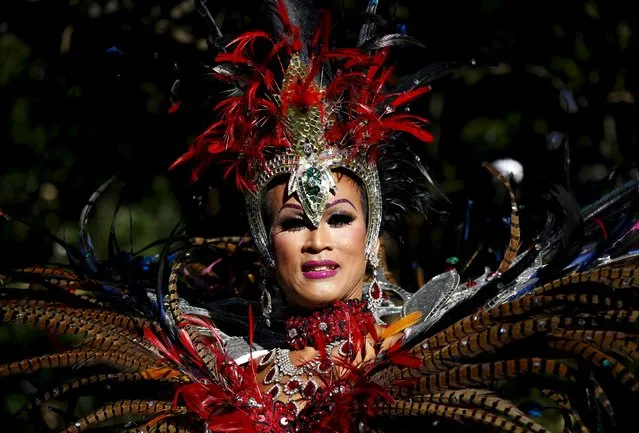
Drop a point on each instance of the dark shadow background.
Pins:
(85, 93)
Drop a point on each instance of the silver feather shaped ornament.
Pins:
(313, 184)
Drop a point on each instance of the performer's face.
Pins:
(318, 266)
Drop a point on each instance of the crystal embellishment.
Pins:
(313, 184)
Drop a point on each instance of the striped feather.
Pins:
(122, 408)
(153, 374)
(495, 421)
(125, 361)
(158, 427)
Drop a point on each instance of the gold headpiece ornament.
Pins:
(304, 125)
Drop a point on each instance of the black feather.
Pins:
(568, 240)
(392, 40)
(86, 244)
(405, 186)
(611, 199)
(113, 244)
(428, 75)
(215, 35)
(370, 24)
(375, 19)
(175, 89)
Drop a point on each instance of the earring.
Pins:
(374, 293)
(265, 298)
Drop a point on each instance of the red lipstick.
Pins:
(319, 269)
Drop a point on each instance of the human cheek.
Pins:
(287, 253)
(352, 237)
(350, 245)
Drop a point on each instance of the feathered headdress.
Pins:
(304, 109)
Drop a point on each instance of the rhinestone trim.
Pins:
(288, 162)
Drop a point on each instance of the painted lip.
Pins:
(309, 269)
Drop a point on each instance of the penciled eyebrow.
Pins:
(328, 206)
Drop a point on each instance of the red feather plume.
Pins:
(252, 123)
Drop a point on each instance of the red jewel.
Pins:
(292, 385)
(325, 366)
(347, 348)
(375, 292)
(269, 376)
(274, 392)
(291, 408)
(309, 389)
(265, 361)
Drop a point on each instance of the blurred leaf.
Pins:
(624, 32)
(487, 133)
(15, 402)
(592, 10)
(23, 132)
(13, 58)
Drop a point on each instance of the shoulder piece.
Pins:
(432, 300)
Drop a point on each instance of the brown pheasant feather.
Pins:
(586, 321)
(575, 324)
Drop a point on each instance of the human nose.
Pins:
(317, 240)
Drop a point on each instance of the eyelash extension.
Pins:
(293, 224)
(340, 219)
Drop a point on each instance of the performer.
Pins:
(315, 138)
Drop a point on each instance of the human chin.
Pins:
(317, 293)
(311, 293)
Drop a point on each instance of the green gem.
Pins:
(452, 260)
(312, 179)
